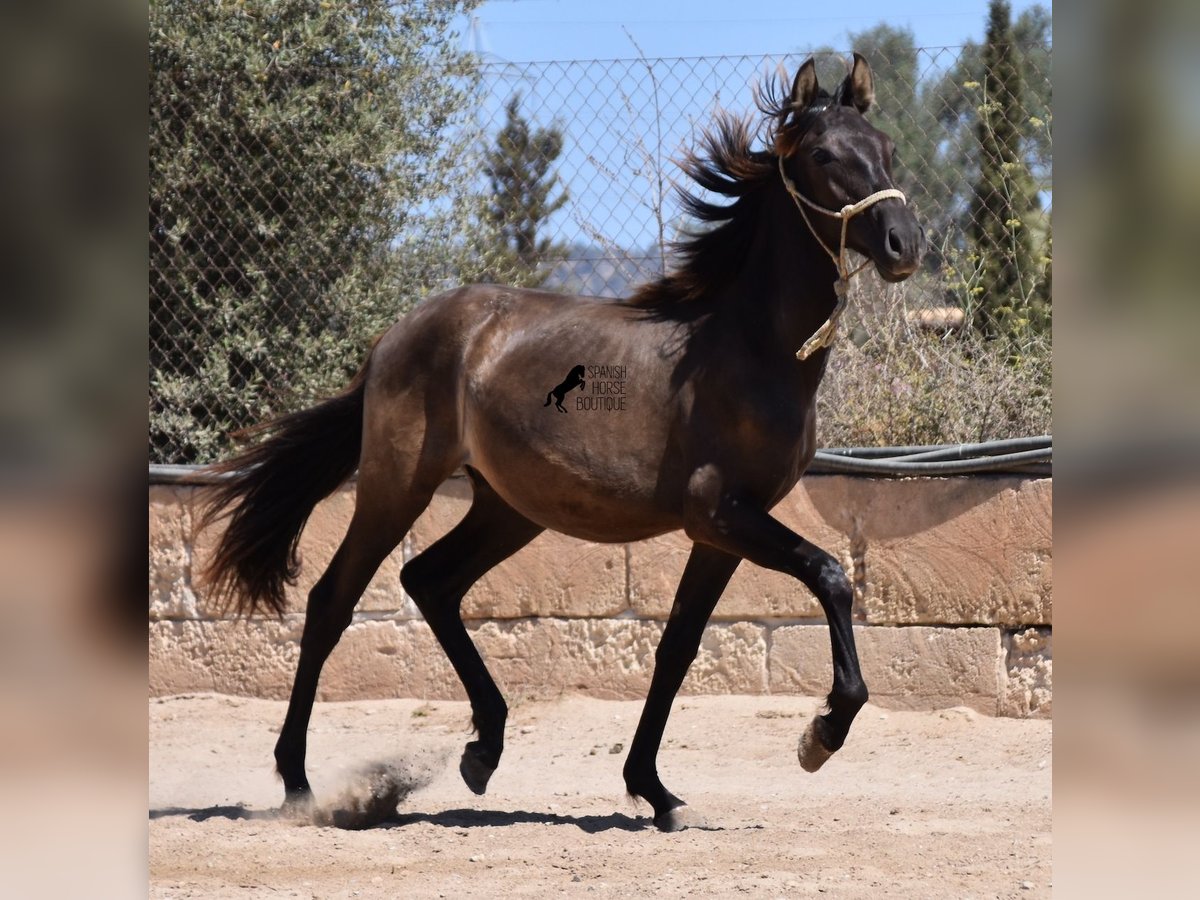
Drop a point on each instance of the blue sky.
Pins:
(525, 30)
(614, 140)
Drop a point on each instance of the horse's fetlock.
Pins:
(855, 696)
(290, 766)
(639, 782)
(489, 722)
(634, 768)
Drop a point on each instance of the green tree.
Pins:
(519, 170)
(1005, 194)
(952, 104)
(302, 193)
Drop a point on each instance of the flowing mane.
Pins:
(731, 168)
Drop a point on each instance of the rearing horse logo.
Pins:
(572, 381)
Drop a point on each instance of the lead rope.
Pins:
(824, 335)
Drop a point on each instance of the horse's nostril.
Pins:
(894, 244)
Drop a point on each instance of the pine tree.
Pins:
(1005, 194)
(519, 170)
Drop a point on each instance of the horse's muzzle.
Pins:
(901, 244)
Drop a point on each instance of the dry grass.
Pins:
(891, 382)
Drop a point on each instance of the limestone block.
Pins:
(732, 660)
(321, 537)
(614, 659)
(1029, 674)
(530, 658)
(542, 658)
(171, 594)
(554, 576)
(389, 658)
(813, 510)
(956, 550)
(904, 668)
(251, 658)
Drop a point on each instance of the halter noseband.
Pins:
(824, 335)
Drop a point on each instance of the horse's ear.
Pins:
(804, 88)
(859, 88)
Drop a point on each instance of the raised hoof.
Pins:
(811, 750)
(475, 772)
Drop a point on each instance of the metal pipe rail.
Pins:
(1020, 456)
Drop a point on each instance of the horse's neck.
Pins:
(784, 291)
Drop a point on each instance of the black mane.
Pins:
(730, 168)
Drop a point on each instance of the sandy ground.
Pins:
(940, 804)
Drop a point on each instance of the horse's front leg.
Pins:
(704, 578)
(744, 529)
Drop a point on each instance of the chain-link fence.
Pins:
(296, 211)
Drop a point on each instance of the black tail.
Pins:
(549, 397)
(272, 488)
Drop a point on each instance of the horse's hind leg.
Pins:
(704, 578)
(375, 530)
(437, 580)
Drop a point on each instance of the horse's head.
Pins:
(835, 159)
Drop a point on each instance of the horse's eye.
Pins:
(822, 156)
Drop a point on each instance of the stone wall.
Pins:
(953, 602)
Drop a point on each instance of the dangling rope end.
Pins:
(824, 335)
(822, 338)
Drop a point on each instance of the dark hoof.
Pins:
(474, 770)
(676, 819)
(811, 750)
(297, 805)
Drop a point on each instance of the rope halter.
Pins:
(824, 335)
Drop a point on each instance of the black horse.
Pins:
(723, 359)
(573, 380)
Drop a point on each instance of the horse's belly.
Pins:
(599, 483)
(588, 514)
